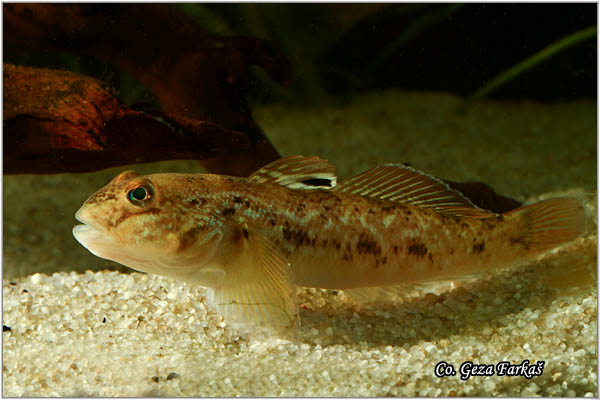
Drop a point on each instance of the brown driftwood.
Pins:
(191, 72)
(59, 121)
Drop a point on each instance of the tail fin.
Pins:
(552, 222)
(581, 271)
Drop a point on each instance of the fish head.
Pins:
(153, 223)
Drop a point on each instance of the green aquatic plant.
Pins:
(530, 62)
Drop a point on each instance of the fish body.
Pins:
(251, 241)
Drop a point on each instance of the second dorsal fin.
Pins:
(298, 172)
(402, 184)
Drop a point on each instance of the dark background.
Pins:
(339, 50)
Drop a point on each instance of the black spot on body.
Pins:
(228, 211)
(297, 237)
(194, 202)
(490, 223)
(478, 247)
(417, 248)
(519, 241)
(245, 233)
(368, 245)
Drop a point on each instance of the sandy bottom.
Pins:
(69, 333)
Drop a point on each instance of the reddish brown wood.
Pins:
(59, 121)
(191, 72)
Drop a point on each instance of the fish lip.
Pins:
(86, 224)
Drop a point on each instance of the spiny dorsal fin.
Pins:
(402, 184)
(298, 172)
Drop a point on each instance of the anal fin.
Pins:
(257, 296)
(398, 294)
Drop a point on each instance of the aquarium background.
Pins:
(371, 83)
(340, 50)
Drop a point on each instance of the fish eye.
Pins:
(139, 195)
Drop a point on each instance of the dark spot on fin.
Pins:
(318, 182)
(297, 172)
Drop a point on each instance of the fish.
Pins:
(252, 241)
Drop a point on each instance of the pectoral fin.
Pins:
(257, 296)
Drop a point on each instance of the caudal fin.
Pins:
(552, 222)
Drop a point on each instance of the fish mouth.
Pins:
(83, 217)
(87, 232)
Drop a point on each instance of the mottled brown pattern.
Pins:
(188, 238)
(417, 248)
(195, 202)
(298, 237)
(368, 245)
(125, 215)
(228, 211)
(348, 253)
(479, 247)
(336, 244)
(519, 241)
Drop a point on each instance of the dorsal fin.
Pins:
(402, 184)
(298, 172)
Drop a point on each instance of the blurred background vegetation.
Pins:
(339, 50)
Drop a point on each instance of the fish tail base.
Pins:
(550, 223)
